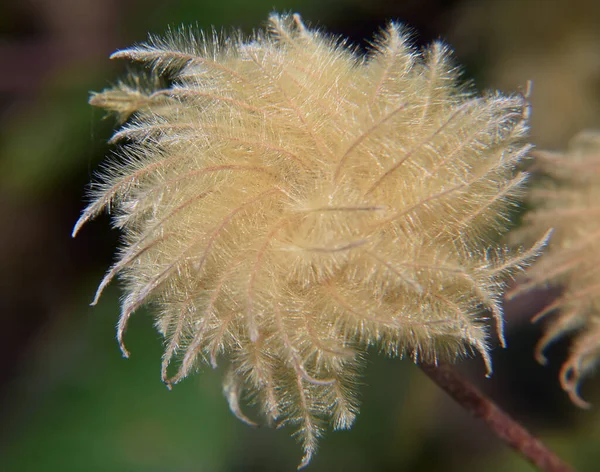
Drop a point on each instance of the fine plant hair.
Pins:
(567, 197)
(287, 204)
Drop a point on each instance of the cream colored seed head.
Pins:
(568, 198)
(287, 203)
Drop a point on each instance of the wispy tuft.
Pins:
(287, 204)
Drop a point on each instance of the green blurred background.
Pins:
(69, 402)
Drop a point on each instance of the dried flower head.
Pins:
(568, 199)
(287, 203)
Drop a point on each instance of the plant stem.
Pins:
(503, 426)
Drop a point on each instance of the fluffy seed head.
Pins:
(287, 203)
(568, 198)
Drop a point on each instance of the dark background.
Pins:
(69, 402)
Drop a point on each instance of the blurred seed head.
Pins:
(567, 197)
(287, 204)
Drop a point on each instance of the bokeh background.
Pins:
(69, 402)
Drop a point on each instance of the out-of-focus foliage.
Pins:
(554, 43)
(82, 409)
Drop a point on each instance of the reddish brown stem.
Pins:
(503, 426)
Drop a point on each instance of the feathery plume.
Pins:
(287, 203)
(567, 198)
